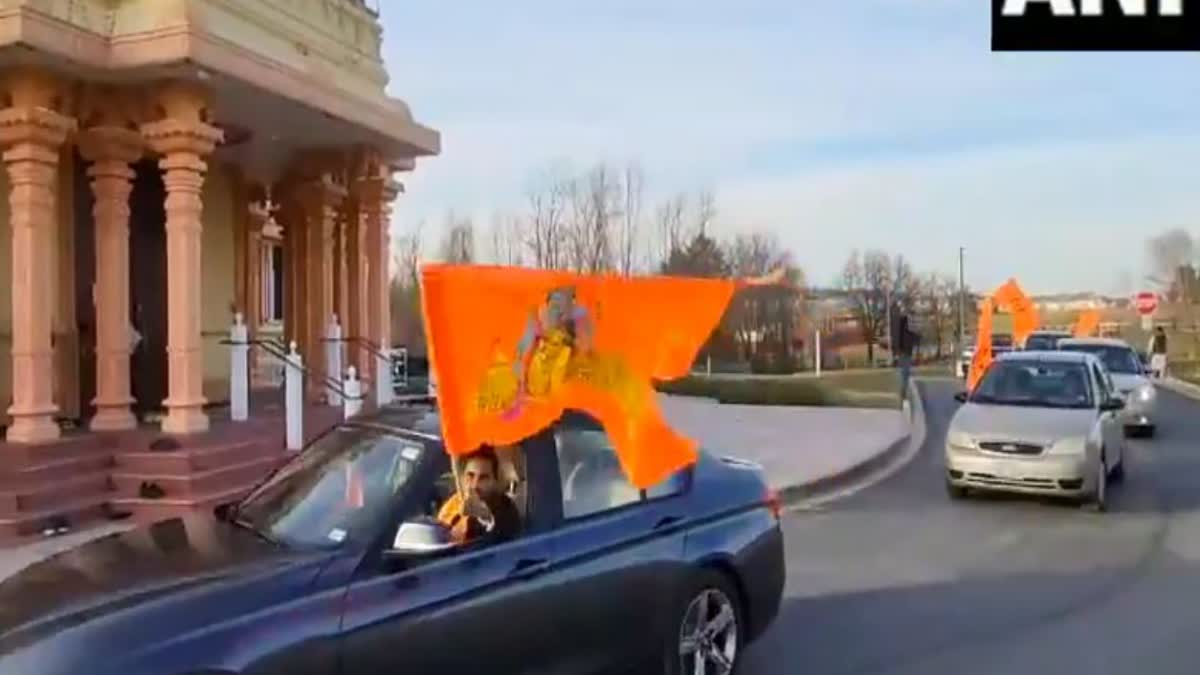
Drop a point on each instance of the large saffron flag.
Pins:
(1087, 324)
(513, 348)
(982, 357)
(1024, 313)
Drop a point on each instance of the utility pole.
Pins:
(962, 299)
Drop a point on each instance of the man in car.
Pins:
(479, 507)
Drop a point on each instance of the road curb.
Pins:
(1180, 387)
(849, 477)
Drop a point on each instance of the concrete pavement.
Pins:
(900, 579)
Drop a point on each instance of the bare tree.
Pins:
(507, 240)
(1168, 252)
(546, 232)
(458, 242)
(631, 217)
(867, 280)
(668, 220)
(594, 201)
(405, 290)
(938, 307)
(706, 213)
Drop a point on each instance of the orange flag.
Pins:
(1087, 324)
(1021, 307)
(983, 346)
(513, 348)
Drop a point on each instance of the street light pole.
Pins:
(962, 299)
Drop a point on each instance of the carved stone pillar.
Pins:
(183, 139)
(31, 133)
(320, 197)
(112, 149)
(371, 205)
(391, 190)
(256, 219)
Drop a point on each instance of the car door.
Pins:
(1111, 429)
(617, 553)
(474, 610)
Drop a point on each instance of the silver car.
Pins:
(1038, 423)
(1129, 377)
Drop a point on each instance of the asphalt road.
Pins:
(898, 579)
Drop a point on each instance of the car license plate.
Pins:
(1009, 472)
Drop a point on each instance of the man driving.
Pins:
(480, 506)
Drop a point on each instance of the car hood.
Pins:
(1126, 383)
(140, 567)
(1036, 425)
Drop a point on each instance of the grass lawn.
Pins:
(852, 388)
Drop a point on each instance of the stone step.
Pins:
(34, 497)
(191, 460)
(153, 510)
(250, 472)
(78, 513)
(59, 469)
(68, 447)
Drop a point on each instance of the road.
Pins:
(898, 579)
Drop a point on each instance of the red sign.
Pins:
(1146, 303)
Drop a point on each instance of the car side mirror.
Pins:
(419, 539)
(1113, 404)
(961, 397)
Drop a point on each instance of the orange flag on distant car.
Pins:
(1020, 307)
(513, 348)
(983, 345)
(1087, 324)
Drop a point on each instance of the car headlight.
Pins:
(960, 440)
(1076, 445)
(1144, 393)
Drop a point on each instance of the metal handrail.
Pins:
(274, 348)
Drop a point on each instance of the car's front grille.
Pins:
(1012, 448)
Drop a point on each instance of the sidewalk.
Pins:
(802, 449)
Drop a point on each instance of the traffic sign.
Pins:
(1146, 302)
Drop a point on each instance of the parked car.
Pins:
(1130, 376)
(1044, 340)
(1002, 343)
(318, 572)
(1038, 423)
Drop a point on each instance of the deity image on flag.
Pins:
(515, 348)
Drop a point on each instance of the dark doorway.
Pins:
(85, 279)
(148, 287)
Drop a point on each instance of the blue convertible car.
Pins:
(334, 565)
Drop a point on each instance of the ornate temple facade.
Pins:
(170, 164)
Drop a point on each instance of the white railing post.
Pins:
(294, 398)
(333, 357)
(384, 388)
(817, 344)
(239, 370)
(353, 399)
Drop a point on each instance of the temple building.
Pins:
(170, 165)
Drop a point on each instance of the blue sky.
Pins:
(836, 124)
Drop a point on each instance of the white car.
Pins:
(1129, 376)
(1038, 423)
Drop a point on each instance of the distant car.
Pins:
(1002, 343)
(335, 565)
(1130, 376)
(1044, 340)
(1038, 423)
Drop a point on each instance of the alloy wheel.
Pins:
(708, 636)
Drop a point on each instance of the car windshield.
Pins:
(1042, 342)
(1121, 360)
(340, 488)
(1034, 383)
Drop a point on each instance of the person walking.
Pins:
(1158, 353)
(904, 341)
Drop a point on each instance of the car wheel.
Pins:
(955, 491)
(708, 627)
(1098, 500)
